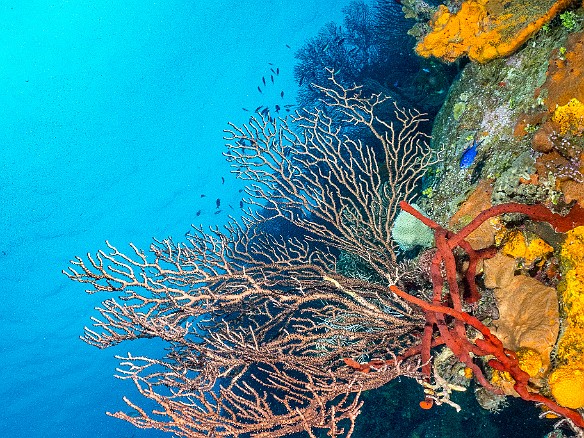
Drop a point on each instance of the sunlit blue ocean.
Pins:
(111, 124)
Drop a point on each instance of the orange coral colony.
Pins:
(486, 29)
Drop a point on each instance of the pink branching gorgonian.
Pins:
(256, 326)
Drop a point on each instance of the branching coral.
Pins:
(256, 325)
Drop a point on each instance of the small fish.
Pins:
(426, 70)
(240, 204)
(272, 78)
(258, 108)
(218, 202)
(259, 89)
(264, 80)
(265, 111)
(245, 109)
(277, 71)
(198, 213)
(202, 196)
(133, 414)
(469, 154)
(222, 180)
(282, 94)
(277, 108)
(288, 46)
(218, 211)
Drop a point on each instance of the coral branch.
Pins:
(255, 325)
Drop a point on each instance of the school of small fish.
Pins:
(268, 80)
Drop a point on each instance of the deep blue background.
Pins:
(111, 119)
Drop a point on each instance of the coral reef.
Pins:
(559, 126)
(567, 380)
(509, 103)
(486, 29)
(528, 109)
(372, 48)
(355, 299)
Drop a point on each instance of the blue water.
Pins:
(111, 126)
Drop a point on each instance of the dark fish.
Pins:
(277, 108)
(245, 109)
(198, 213)
(288, 46)
(264, 80)
(301, 80)
(133, 414)
(265, 111)
(341, 41)
(272, 78)
(277, 70)
(259, 89)
(269, 63)
(222, 180)
(240, 204)
(231, 206)
(282, 94)
(258, 108)
(218, 211)
(218, 202)
(240, 190)
(202, 196)
(273, 71)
